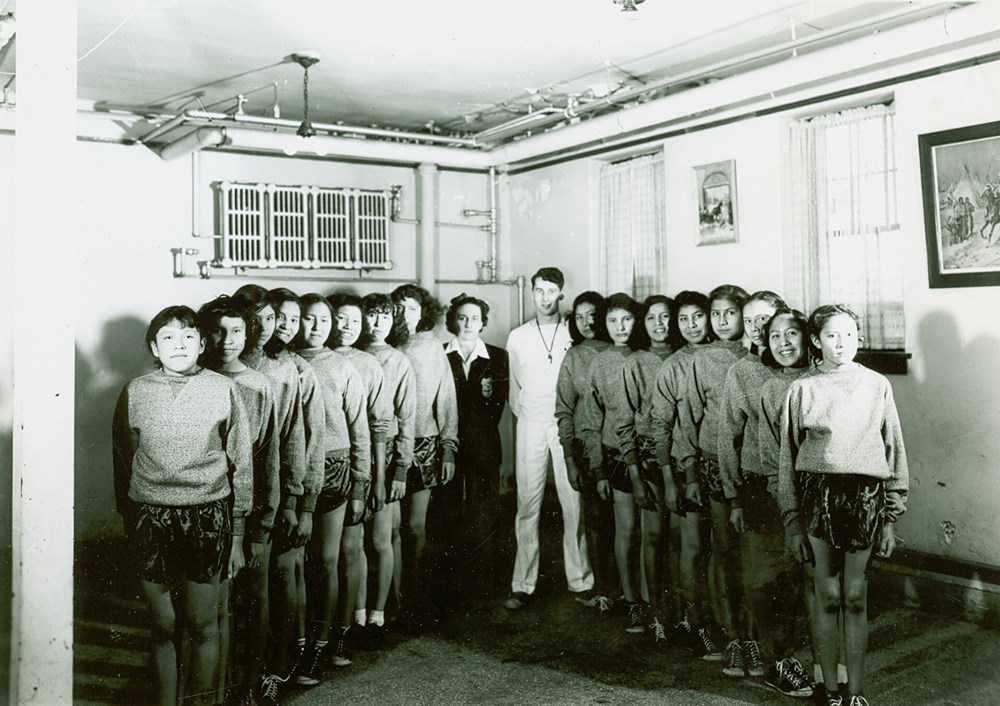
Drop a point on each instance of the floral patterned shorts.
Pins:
(182, 543)
(845, 511)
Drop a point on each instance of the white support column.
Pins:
(427, 255)
(43, 314)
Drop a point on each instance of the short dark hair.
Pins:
(340, 299)
(639, 340)
(457, 303)
(308, 300)
(380, 303)
(618, 300)
(818, 319)
(731, 292)
(209, 316)
(430, 308)
(184, 315)
(687, 298)
(549, 274)
(600, 330)
(803, 323)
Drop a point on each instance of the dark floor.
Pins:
(553, 652)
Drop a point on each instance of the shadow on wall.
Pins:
(951, 422)
(119, 357)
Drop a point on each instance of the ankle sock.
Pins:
(360, 617)
(376, 617)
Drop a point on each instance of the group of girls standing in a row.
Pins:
(781, 458)
(291, 437)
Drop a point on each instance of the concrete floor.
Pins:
(554, 651)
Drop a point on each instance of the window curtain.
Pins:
(846, 243)
(632, 227)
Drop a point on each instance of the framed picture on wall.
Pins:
(716, 203)
(960, 179)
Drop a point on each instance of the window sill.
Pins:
(886, 362)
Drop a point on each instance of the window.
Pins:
(632, 226)
(266, 225)
(846, 244)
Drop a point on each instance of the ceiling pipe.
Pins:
(962, 31)
(790, 48)
(192, 142)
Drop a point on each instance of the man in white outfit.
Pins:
(536, 351)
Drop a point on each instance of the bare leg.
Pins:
(652, 551)
(350, 553)
(726, 552)
(201, 601)
(827, 612)
(856, 618)
(625, 542)
(693, 566)
(383, 544)
(416, 520)
(284, 594)
(225, 640)
(397, 548)
(362, 600)
(260, 617)
(301, 609)
(161, 605)
(324, 553)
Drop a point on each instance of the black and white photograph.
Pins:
(446, 352)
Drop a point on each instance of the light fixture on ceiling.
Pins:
(305, 59)
(628, 5)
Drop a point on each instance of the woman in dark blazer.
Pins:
(481, 381)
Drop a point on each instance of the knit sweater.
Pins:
(313, 423)
(572, 388)
(437, 405)
(772, 402)
(699, 427)
(346, 429)
(738, 418)
(668, 402)
(401, 383)
(182, 440)
(641, 369)
(258, 403)
(607, 406)
(842, 421)
(292, 442)
(533, 374)
(379, 402)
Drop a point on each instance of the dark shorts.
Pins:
(190, 543)
(616, 471)
(649, 469)
(760, 509)
(425, 473)
(336, 483)
(711, 477)
(281, 540)
(684, 506)
(845, 511)
(351, 520)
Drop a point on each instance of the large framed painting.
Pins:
(960, 177)
(716, 203)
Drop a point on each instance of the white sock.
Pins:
(376, 617)
(841, 673)
(359, 617)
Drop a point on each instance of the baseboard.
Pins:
(930, 582)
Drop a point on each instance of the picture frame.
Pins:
(960, 183)
(717, 219)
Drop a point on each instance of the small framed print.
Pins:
(717, 223)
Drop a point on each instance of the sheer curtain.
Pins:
(632, 227)
(846, 243)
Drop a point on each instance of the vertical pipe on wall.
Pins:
(427, 181)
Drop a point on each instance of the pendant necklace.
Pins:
(555, 331)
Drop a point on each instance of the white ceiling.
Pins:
(464, 64)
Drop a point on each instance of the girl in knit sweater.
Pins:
(435, 426)
(348, 325)
(690, 330)
(347, 477)
(382, 529)
(230, 327)
(842, 473)
(739, 470)
(590, 337)
(697, 444)
(650, 346)
(184, 485)
(607, 409)
(787, 353)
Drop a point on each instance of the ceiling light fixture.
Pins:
(629, 5)
(305, 59)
